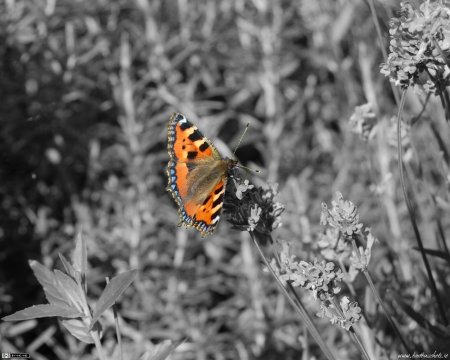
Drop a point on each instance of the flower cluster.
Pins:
(420, 42)
(343, 216)
(251, 208)
(363, 121)
(241, 188)
(319, 277)
(342, 238)
(360, 260)
(332, 246)
(322, 279)
(348, 314)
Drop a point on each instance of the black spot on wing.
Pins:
(204, 146)
(218, 190)
(185, 125)
(216, 214)
(195, 136)
(218, 201)
(192, 155)
(178, 117)
(206, 200)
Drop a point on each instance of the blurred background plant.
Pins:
(87, 89)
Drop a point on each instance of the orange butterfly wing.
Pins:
(197, 175)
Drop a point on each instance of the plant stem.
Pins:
(379, 300)
(443, 96)
(373, 12)
(98, 345)
(358, 341)
(424, 106)
(352, 290)
(118, 333)
(446, 98)
(351, 331)
(441, 143)
(442, 236)
(380, 40)
(411, 212)
(386, 313)
(446, 106)
(296, 304)
(443, 55)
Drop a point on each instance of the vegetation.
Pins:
(338, 250)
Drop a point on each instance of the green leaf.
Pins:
(79, 257)
(44, 310)
(161, 351)
(70, 289)
(70, 270)
(78, 329)
(112, 291)
(49, 283)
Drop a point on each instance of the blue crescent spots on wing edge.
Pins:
(171, 132)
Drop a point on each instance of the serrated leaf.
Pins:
(112, 291)
(78, 329)
(49, 283)
(41, 311)
(79, 257)
(70, 289)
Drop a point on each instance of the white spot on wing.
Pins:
(216, 219)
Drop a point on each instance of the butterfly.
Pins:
(197, 174)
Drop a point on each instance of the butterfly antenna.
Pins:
(249, 169)
(240, 140)
(237, 146)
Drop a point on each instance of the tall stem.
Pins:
(411, 212)
(296, 304)
(381, 43)
(386, 313)
(98, 345)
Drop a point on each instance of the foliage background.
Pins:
(87, 89)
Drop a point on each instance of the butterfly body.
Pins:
(197, 175)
